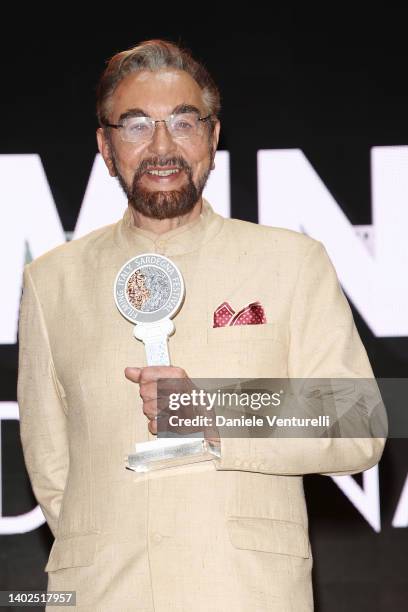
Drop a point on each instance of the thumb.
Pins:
(133, 373)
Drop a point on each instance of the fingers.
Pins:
(147, 378)
(152, 404)
(148, 373)
(152, 427)
(133, 374)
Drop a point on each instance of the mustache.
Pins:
(162, 162)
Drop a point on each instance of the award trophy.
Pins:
(149, 291)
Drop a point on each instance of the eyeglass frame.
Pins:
(119, 125)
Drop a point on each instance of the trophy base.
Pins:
(166, 453)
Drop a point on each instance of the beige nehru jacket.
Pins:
(222, 535)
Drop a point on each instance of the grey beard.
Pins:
(163, 204)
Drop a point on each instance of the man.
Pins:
(224, 534)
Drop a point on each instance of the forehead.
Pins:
(156, 92)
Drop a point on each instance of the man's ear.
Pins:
(105, 150)
(215, 138)
(216, 135)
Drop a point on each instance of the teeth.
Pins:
(163, 172)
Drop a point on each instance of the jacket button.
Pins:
(157, 537)
(237, 462)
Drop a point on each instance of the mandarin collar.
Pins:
(178, 241)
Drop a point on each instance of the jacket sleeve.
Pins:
(324, 343)
(43, 426)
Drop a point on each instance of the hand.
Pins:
(147, 378)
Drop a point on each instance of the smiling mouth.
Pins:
(164, 172)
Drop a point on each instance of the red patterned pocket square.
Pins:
(252, 314)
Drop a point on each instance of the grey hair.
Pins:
(153, 55)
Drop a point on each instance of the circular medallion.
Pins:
(148, 288)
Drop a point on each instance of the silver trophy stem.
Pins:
(155, 338)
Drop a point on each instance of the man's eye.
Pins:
(182, 124)
(138, 126)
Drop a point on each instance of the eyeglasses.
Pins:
(182, 126)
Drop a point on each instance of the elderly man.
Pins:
(229, 532)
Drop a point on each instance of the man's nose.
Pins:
(161, 142)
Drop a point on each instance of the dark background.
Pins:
(332, 82)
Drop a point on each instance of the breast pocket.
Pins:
(251, 350)
(242, 333)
